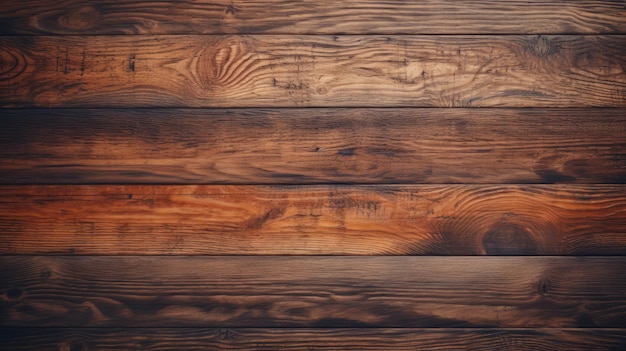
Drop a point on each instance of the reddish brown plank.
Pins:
(314, 220)
(311, 17)
(313, 71)
(240, 291)
(301, 339)
(300, 146)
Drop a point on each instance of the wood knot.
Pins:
(12, 63)
(225, 63)
(321, 90)
(80, 18)
(544, 287)
(77, 346)
(231, 10)
(542, 46)
(226, 334)
(508, 239)
(14, 293)
(46, 273)
(258, 222)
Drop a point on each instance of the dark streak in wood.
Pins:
(66, 70)
(359, 71)
(301, 339)
(243, 146)
(314, 220)
(82, 64)
(325, 292)
(312, 17)
(368, 67)
(131, 63)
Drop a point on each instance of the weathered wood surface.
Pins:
(243, 291)
(332, 71)
(312, 17)
(301, 339)
(314, 220)
(304, 146)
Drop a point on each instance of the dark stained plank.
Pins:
(331, 71)
(303, 146)
(158, 339)
(277, 291)
(311, 17)
(314, 220)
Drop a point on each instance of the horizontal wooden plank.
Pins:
(304, 146)
(311, 17)
(278, 291)
(314, 220)
(158, 339)
(331, 71)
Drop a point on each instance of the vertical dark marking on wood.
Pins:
(131, 63)
(67, 60)
(58, 57)
(82, 64)
(544, 287)
(226, 334)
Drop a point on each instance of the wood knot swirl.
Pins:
(76, 346)
(508, 239)
(80, 18)
(14, 294)
(12, 63)
(542, 46)
(544, 286)
(226, 63)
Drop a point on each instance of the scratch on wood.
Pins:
(82, 64)
(58, 58)
(231, 10)
(226, 334)
(67, 60)
(131, 63)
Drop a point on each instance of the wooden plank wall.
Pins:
(312, 175)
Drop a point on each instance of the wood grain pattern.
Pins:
(240, 291)
(272, 175)
(304, 146)
(312, 17)
(277, 339)
(332, 71)
(314, 220)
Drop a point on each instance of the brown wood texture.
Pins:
(304, 146)
(301, 339)
(239, 291)
(312, 17)
(281, 175)
(313, 71)
(314, 220)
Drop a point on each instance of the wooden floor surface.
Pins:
(312, 175)
(314, 220)
(314, 71)
(313, 146)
